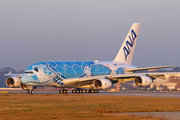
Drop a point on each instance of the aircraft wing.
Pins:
(122, 78)
(12, 75)
(74, 81)
(148, 68)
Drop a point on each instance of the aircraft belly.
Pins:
(41, 83)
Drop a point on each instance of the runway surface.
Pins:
(136, 94)
(125, 93)
(144, 94)
(167, 115)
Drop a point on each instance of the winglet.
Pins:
(126, 51)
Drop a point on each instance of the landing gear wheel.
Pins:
(63, 91)
(95, 91)
(60, 91)
(86, 91)
(92, 91)
(78, 91)
(30, 92)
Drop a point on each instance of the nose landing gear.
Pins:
(30, 91)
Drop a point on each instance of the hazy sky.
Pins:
(66, 30)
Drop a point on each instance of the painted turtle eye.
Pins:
(36, 69)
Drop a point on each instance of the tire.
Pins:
(60, 91)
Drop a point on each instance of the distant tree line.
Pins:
(6, 70)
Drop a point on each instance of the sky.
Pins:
(87, 30)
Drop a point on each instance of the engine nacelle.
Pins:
(143, 81)
(102, 84)
(13, 82)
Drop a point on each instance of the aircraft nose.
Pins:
(25, 79)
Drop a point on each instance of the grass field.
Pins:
(74, 106)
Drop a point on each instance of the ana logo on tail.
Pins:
(129, 44)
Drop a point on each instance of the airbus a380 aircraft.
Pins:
(87, 76)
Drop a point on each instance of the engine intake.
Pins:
(143, 81)
(102, 84)
(13, 82)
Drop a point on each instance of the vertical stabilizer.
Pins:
(126, 51)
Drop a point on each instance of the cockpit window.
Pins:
(28, 72)
(36, 69)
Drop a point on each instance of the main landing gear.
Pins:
(63, 91)
(30, 91)
(86, 91)
(80, 91)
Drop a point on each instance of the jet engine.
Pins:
(143, 81)
(13, 82)
(102, 84)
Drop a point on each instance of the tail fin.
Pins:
(126, 51)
